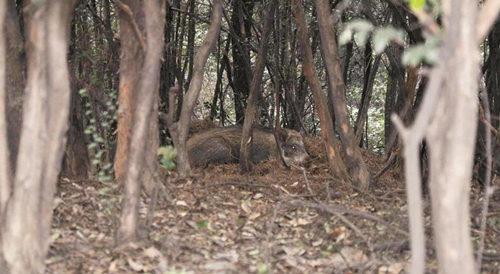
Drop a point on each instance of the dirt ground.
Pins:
(271, 221)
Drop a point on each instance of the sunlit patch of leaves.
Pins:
(427, 52)
(167, 156)
(382, 37)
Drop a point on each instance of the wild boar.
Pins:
(222, 146)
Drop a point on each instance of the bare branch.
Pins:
(487, 16)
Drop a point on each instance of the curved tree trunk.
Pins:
(179, 130)
(355, 162)
(255, 92)
(332, 145)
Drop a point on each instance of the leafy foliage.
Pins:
(100, 134)
(167, 157)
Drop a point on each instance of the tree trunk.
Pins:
(240, 23)
(332, 145)
(255, 92)
(28, 214)
(5, 162)
(131, 58)
(451, 139)
(144, 112)
(493, 85)
(366, 95)
(15, 79)
(133, 45)
(355, 162)
(179, 130)
(76, 162)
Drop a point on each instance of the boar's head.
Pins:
(292, 147)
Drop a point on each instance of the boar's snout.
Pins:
(295, 153)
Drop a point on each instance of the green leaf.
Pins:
(417, 5)
(82, 92)
(345, 37)
(361, 29)
(414, 55)
(262, 269)
(202, 224)
(383, 36)
(361, 37)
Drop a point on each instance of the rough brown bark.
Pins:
(255, 92)
(332, 145)
(132, 26)
(26, 230)
(179, 130)
(355, 163)
(131, 59)
(144, 111)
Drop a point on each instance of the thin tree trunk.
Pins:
(179, 130)
(362, 117)
(28, 215)
(241, 58)
(355, 162)
(144, 111)
(255, 92)
(218, 86)
(332, 145)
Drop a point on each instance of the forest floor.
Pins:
(271, 221)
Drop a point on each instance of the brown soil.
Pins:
(273, 220)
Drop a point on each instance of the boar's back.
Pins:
(222, 146)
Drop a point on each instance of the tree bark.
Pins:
(355, 162)
(332, 145)
(131, 59)
(451, 139)
(132, 19)
(15, 80)
(28, 214)
(255, 92)
(149, 83)
(179, 130)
